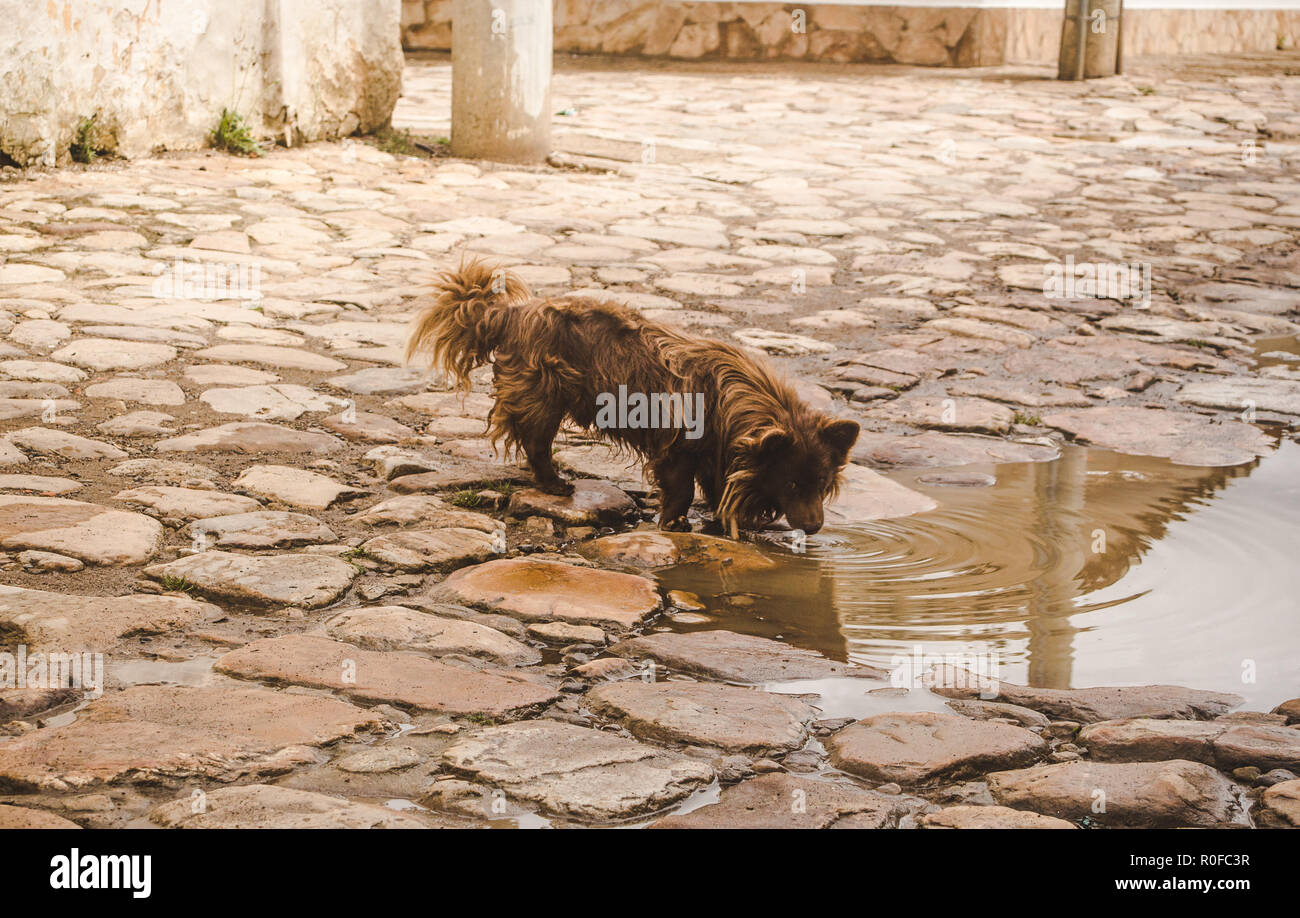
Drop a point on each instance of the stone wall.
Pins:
(155, 74)
(956, 36)
(1034, 36)
(749, 31)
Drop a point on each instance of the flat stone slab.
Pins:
(733, 657)
(367, 427)
(73, 622)
(382, 381)
(1089, 705)
(20, 817)
(1186, 439)
(187, 503)
(455, 472)
(306, 580)
(295, 487)
(971, 414)
(867, 495)
(722, 716)
(535, 590)
(572, 771)
(989, 817)
(910, 748)
(269, 806)
(592, 503)
(168, 472)
(389, 677)
(46, 485)
(1224, 744)
(155, 733)
(652, 549)
(263, 529)
(434, 549)
(782, 801)
(254, 438)
(400, 628)
(46, 441)
(933, 449)
(144, 391)
(270, 355)
(88, 532)
(280, 402)
(427, 511)
(1240, 394)
(1157, 794)
(102, 354)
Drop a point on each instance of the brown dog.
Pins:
(699, 410)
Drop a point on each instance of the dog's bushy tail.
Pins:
(467, 320)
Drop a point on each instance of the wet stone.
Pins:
(1089, 705)
(399, 628)
(268, 806)
(989, 817)
(733, 657)
(378, 760)
(592, 503)
(564, 633)
(576, 772)
(159, 733)
(1186, 439)
(867, 495)
(1240, 394)
(722, 716)
(916, 747)
(88, 532)
(536, 590)
(305, 580)
(1223, 744)
(1155, 794)
(1279, 806)
(647, 549)
(769, 802)
(390, 677)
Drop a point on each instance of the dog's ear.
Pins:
(840, 435)
(771, 442)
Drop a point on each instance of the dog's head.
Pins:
(792, 470)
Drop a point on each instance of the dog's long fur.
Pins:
(763, 454)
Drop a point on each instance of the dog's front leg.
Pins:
(676, 479)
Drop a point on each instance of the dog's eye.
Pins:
(792, 486)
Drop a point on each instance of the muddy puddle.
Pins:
(1093, 569)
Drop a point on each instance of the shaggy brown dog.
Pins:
(758, 452)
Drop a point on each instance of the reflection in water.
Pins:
(1095, 569)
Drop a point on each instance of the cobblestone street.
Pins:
(323, 599)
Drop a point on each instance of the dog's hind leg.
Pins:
(535, 434)
(675, 476)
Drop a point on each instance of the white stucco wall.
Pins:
(157, 73)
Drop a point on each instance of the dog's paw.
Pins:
(679, 524)
(558, 487)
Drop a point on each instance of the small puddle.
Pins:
(1094, 569)
(151, 672)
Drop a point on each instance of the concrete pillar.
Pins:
(501, 80)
